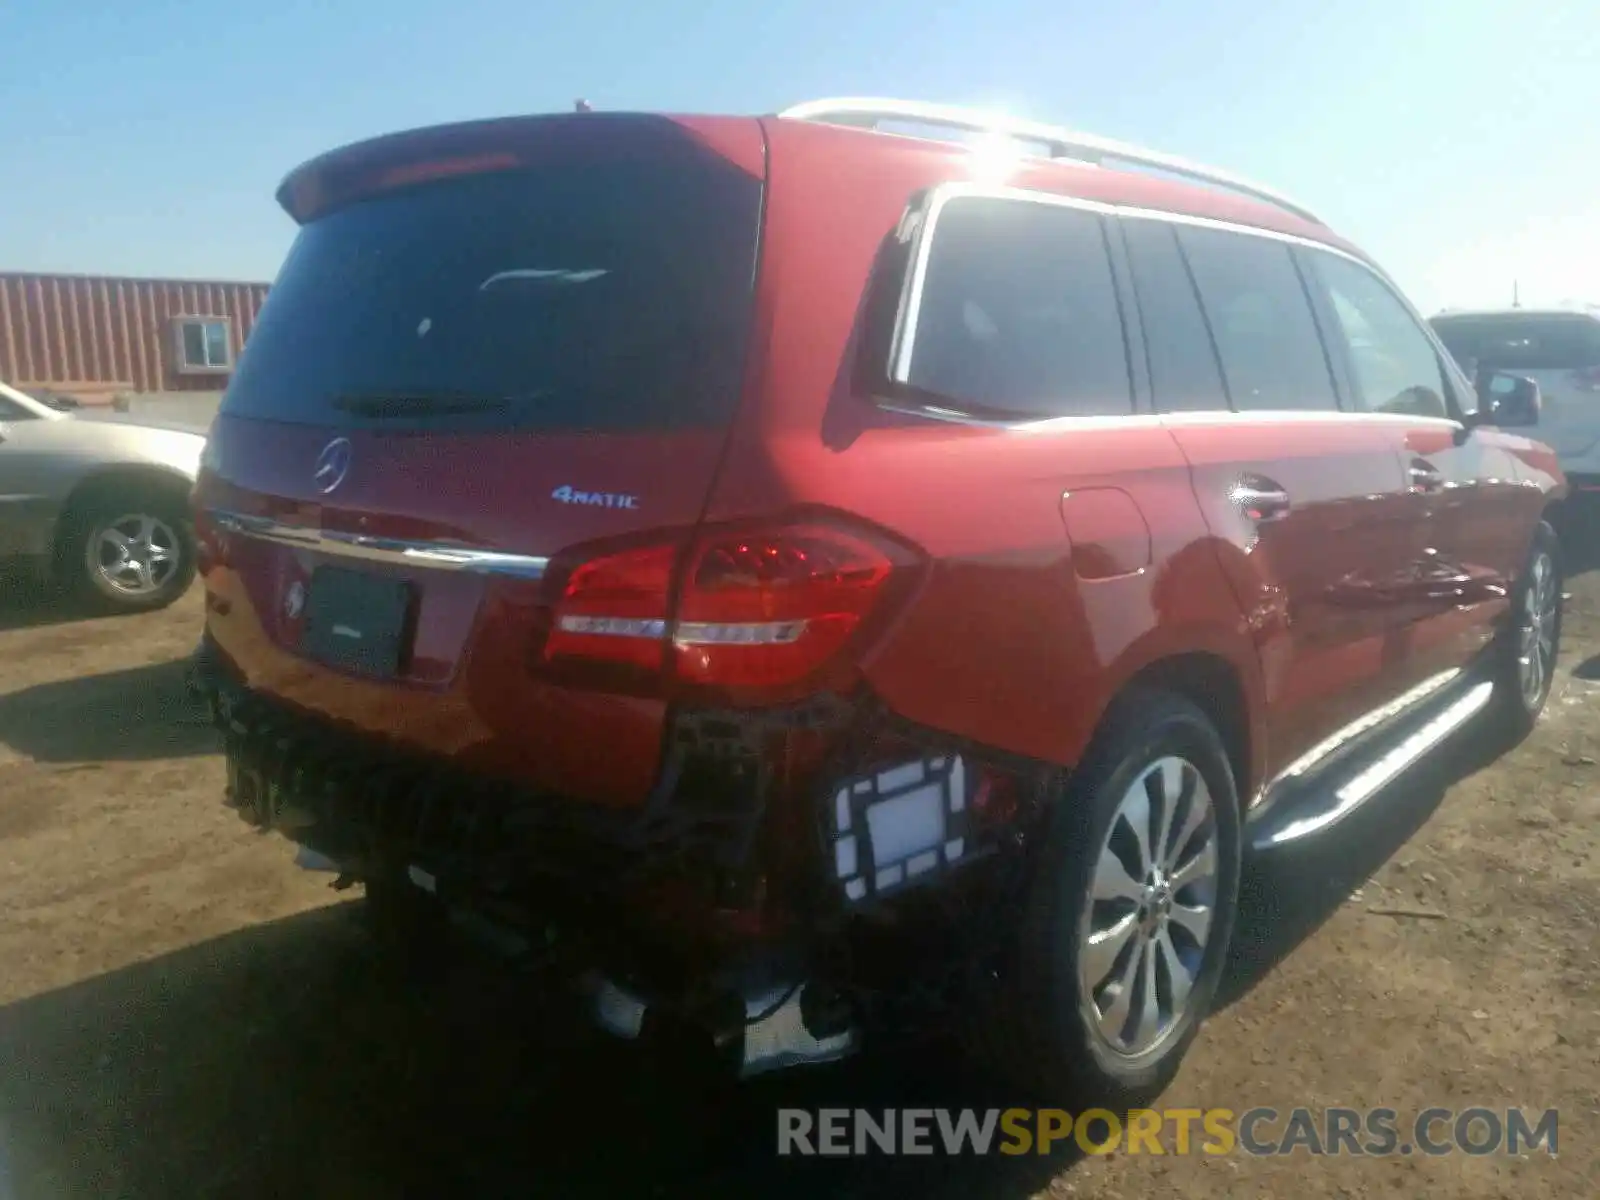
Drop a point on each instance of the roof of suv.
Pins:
(1076, 164)
(1107, 184)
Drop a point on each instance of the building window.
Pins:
(203, 344)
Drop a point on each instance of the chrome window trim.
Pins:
(1198, 416)
(922, 232)
(905, 335)
(438, 556)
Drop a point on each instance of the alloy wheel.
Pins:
(1151, 907)
(1536, 629)
(135, 555)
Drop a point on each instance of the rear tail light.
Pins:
(614, 609)
(769, 608)
(740, 609)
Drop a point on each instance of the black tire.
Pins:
(1041, 1032)
(158, 520)
(1516, 707)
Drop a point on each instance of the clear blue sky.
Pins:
(1454, 139)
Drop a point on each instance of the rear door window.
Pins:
(1260, 317)
(1019, 311)
(609, 296)
(1184, 376)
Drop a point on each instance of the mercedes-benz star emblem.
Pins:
(333, 464)
(294, 600)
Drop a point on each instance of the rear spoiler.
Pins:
(365, 168)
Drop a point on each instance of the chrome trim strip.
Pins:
(1393, 710)
(1183, 420)
(1358, 790)
(922, 248)
(440, 556)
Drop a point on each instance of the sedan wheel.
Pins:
(129, 552)
(135, 556)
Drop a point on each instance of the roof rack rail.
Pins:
(870, 113)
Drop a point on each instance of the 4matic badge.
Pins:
(567, 494)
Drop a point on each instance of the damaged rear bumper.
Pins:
(664, 914)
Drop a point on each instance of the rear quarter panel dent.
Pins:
(1025, 657)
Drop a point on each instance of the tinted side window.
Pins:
(1395, 365)
(1184, 376)
(1271, 354)
(1019, 311)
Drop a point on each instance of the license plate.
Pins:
(356, 621)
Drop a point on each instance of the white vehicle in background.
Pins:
(97, 500)
(1558, 348)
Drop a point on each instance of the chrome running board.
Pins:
(1312, 806)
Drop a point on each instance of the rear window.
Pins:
(598, 297)
(1019, 312)
(1522, 343)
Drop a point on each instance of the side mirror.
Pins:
(1508, 401)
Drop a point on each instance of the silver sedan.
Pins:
(98, 501)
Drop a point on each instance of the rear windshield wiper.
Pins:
(397, 404)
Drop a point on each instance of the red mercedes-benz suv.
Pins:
(825, 575)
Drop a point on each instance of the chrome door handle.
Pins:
(1259, 500)
(1424, 476)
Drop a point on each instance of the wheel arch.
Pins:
(1212, 684)
(112, 480)
(1221, 675)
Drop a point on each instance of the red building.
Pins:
(93, 337)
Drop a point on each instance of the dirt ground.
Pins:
(183, 1013)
